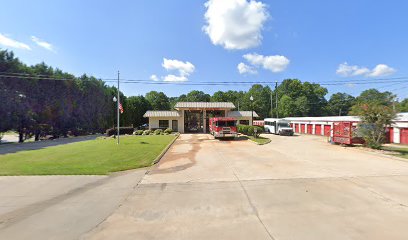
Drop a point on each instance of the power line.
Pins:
(396, 80)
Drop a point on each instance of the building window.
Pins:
(163, 123)
(244, 122)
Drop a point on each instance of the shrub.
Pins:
(251, 131)
(138, 132)
(122, 130)
(146, 132)
(168, 130)
(243, 129)
(158, 132)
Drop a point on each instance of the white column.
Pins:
(322, 129)
(314, 129)
(397, 135)
(204, 121)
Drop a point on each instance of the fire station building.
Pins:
(191, 117)
(396, 133)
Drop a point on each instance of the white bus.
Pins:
(278, 126)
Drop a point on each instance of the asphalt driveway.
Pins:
(294, 188)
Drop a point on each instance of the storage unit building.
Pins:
(396, 133)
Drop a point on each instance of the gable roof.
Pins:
(241, 114)
(161, 114)
(228, 105)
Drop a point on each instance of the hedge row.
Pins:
(155, 132)
(122, 130)
(250, 130)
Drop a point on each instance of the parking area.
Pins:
(293, 188)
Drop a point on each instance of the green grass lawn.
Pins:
(100, 156)
(400, 151)
(260, 140)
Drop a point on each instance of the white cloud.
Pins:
(184, 69)
(154, 78)
(174, 78)
(243, 68)
(8, 42)
(382, 70)
(235, 24)
(347, 70)
(275, 63)
(43, 44)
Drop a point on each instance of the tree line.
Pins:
(39, 100)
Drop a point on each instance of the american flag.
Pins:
(121, 108)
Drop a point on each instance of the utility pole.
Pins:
(271, 105)
(276, 92)
(238, 106)
(118, 130)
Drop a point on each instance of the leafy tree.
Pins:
(340, 104)
(376, 110)
(235, 97)
(375, 97)
(41, 98)
(374, 117)
(403, 105)
(135, 108)
(197, 96)
(300, 99)
(261, 102)
(158, 100)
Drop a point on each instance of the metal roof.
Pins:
(241, 114)
(210, 105)
(161, 114)
(401, 117)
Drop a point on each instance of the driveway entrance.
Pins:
(293, 188)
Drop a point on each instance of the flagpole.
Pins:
(118, 130)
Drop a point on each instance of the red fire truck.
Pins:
(223, 127)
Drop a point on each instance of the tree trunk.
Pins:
(20, 136)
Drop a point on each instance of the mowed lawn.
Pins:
(100, 156)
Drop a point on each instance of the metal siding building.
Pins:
(396, 133)
(194, 116)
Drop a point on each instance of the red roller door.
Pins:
(404, 136)
(309, 128)
(318, 129)
(389, 135)
(302, 128)
(296, 127)
(327, 130)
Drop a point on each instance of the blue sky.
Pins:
(309, 40)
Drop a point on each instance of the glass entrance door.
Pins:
(193, 121)
(174, 125)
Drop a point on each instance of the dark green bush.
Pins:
(243, 129)
(158, 132)
(168, 130)
(122, 130)
(249, 130)
(146, 132)
(138, 132)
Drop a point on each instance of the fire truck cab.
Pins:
(223, 127)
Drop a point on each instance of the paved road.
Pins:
(293, 188)
(60, 207)
(17, 147)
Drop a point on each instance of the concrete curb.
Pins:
(158, 158)
(260, 144)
